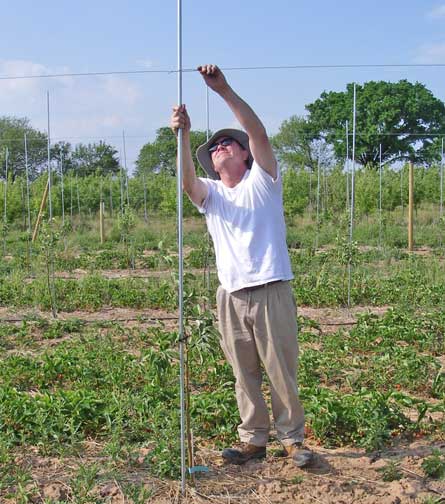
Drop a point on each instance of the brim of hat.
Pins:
(203, 153)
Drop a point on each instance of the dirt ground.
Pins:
(329, 319)
(340, 476)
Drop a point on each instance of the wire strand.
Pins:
(226, 69)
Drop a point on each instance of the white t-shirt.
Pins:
(246, 223)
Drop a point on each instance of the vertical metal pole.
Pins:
(62, 188)
(111, 196)
(411, 207)
(122, 188)
(207, 273)
(71, 197)
(208, 114)
(441, 184)
(50, 205)
(125, 166)
(145, 197)
(351, 218)
(347, 165)
(380, 195)
(5, 218)
(318, 199)
(180, 259)
(27, 185)
(401, 191)
(78, 195)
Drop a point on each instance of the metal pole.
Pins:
(27, 185)
(125, 166)
(78, 195)
(208, 114)
(71, 197)
(62, 188)
(49, 162)
(50, 205)
(351, 218)
(180, 260)
(145, 197)
(411, 207)
(318, 199)
(380, 195)
(5, 218)
(441, 184)
(207, 272)
(122, 188)
(111, 196)
(347, 165)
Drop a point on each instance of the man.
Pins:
(243, 206)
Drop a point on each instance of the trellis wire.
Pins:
(279, 67)
(351, 219)
(180, 260)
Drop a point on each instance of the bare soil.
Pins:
(342, 476)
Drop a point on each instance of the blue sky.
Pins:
(94, 36)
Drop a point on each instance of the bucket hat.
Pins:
(204, 156)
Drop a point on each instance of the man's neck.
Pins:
(232, 179)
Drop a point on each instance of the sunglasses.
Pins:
(225, 142)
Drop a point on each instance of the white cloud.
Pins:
(437, 12)
(431, 53)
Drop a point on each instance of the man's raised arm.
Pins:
(258, 140)
(193, 186)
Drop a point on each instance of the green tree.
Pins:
(62, 152)
(403, 117)
(160, 155)
(295, 143)
(12, 137)
(98, 158)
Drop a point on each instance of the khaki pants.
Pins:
(259, 326)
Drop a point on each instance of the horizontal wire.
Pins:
(279, 67)
(54, 140)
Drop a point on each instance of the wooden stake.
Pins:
(411, 208)
(40, 215)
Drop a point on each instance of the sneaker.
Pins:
(300, 455)
(245, 453)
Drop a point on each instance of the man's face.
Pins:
(227, 148)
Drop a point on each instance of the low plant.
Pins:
(434, 465)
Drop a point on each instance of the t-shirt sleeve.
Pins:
(267, 181)
(205, 205)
